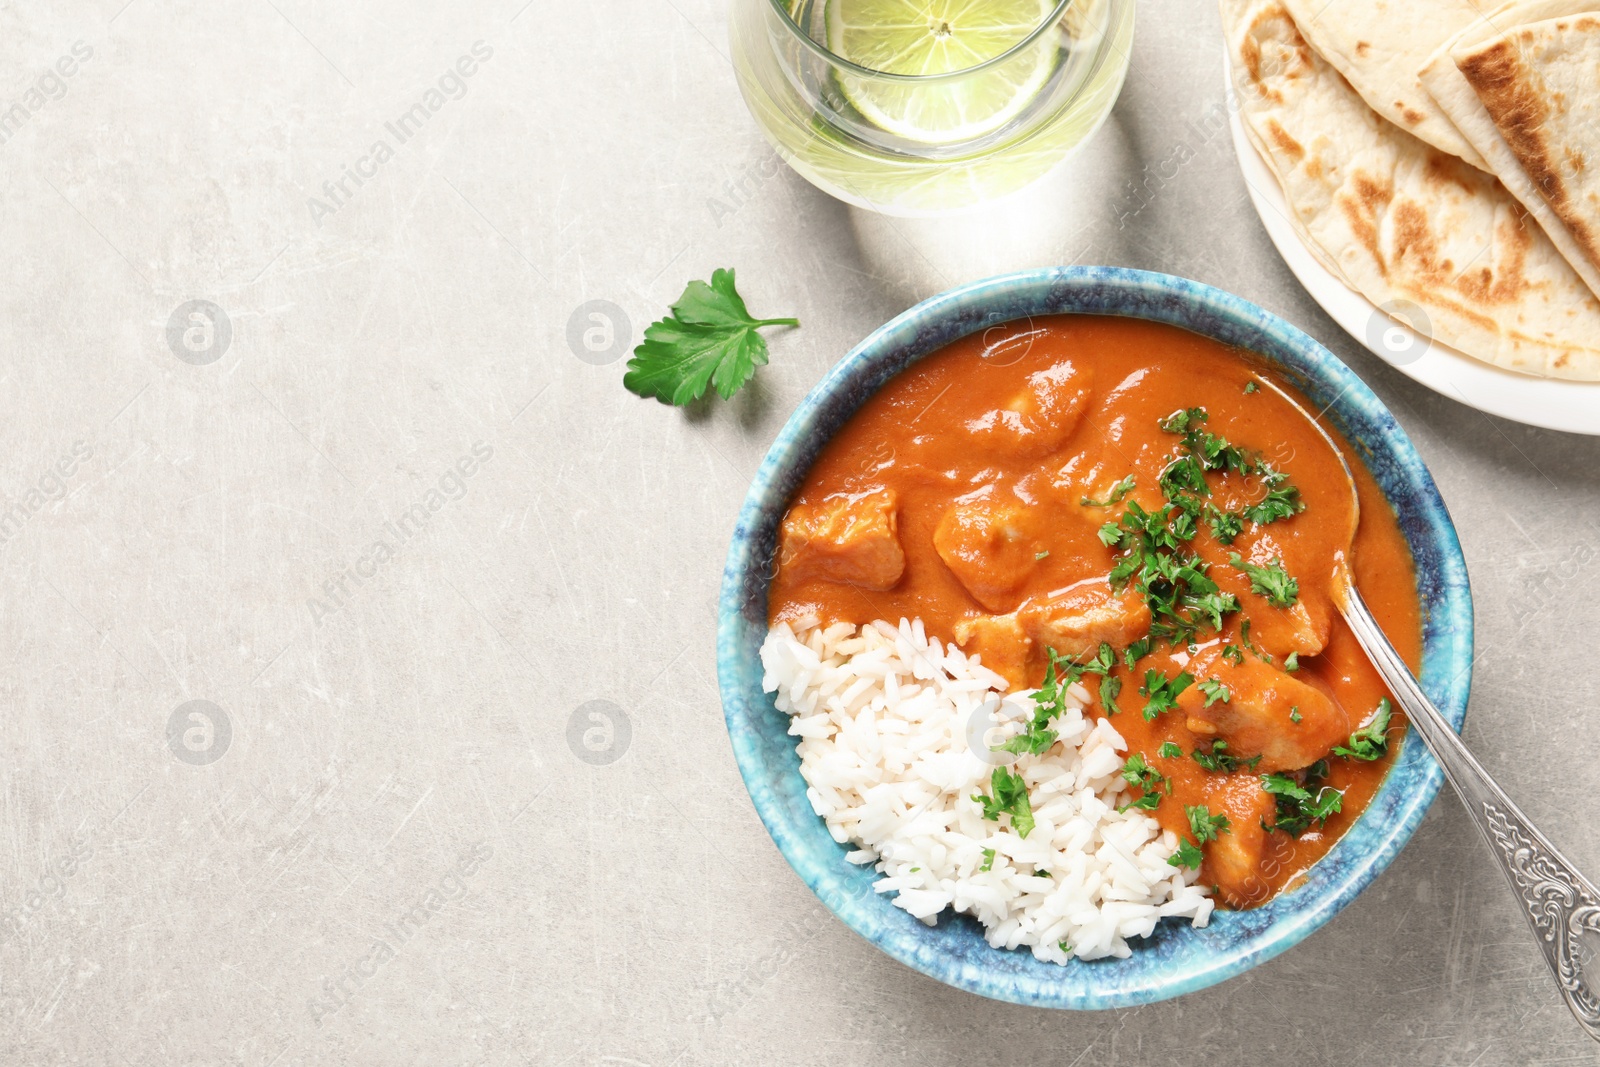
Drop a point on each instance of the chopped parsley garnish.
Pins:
(1187, 855)
(708, 339)
(1291, 662)
(1169, 750)
(1282, 499)
(1371, 741)
(1146, 531)
(1302, 803)
(1178, 421)
(1037, 556)
(1153, 546)
(1171, 580)
(1294, 714)
(1110, 686)
(988, 860)
(1225, 525)
(1163, 692)
(1010, 797)
(1118, 491)
(1136, 652)
(1233, 654)
(1215, 691)
(1205, 825)
(1066, 669)
(1104, 660)
(1219, 759)
(1138, 772)
(1244, 635)
(1184, 479)
(1212, 453)
(1048, 703)
(1280, 587)
(1250, 387)
(1184, 475)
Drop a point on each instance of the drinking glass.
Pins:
(943, 105)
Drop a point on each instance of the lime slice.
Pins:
(938, 37)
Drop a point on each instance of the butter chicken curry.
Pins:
(1122, 504)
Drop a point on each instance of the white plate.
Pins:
(1548, 402)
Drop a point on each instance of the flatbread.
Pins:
(1381, 46)
(1400, 220)
(1540, 83)
(1457, 99)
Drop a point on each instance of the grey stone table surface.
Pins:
(368, 506)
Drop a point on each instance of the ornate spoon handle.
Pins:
(1561, 905)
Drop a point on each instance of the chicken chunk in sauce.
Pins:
(1260, 710)
(989, 548)
(852, 538)
(1000, 642)
(1074, 626)
(1234, 859)
(1036, 418)
(1078, 623)
(1302, 628)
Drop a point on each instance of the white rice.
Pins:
(884, 715)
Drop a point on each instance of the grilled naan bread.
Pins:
(1381, 46)
(1540, 83)
(1459, 100)
(1399, 219)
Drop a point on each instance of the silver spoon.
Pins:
(1561, 905)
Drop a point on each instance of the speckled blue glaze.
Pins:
(1177, 959)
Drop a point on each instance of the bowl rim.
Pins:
(1296, 353)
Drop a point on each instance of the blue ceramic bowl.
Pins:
(1177, 958)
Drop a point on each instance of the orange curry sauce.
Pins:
(1027, 421)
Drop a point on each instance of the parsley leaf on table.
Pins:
(709, 339)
